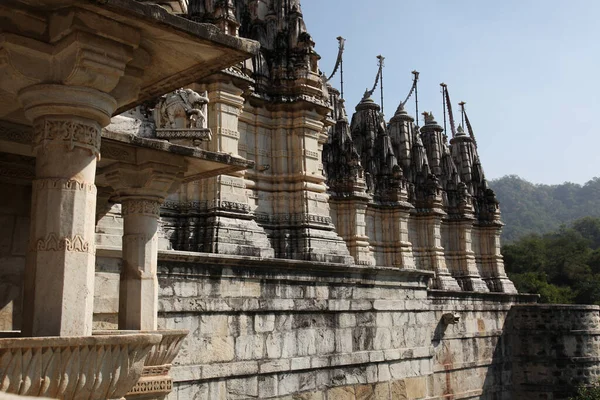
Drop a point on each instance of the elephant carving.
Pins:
(182, 109)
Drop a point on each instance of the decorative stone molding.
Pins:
(72, 132)
(101, 367)
(155, 381)
(115, 152)
(229, 133)
(140, 206)
(64, 184)
(54, 243)
(294, 218)
(17, 134)
(155, 378)
(191, 134)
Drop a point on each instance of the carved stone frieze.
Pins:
(54, 242)
(16, 133)
(11, 170)
(72, 132)
(140, 206)
(115, 152)
(191, 134)
(151, 385)
(64, 184)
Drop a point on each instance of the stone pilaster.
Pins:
(60, 266)
(402, 248)
(492, 263)
(429, 226)
(460, 256)
(349, 217)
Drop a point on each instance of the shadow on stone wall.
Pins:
(546, 352)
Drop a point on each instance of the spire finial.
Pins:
(381, 64)
(339, 63)
(416, 79)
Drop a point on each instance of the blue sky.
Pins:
(528, 70)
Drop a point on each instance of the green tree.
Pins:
(561, 266)
(534, 282)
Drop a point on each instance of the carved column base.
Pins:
(501, 284)
(224, 234)
(444, 281)
(312, 245)
(472, 284)
(349, 218)
(360, 249)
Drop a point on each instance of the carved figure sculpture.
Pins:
(182, 109)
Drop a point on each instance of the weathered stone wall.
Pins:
(553, 348)
(278, 329)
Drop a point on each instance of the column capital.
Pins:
(67, 102)
(135, 205)
(148, 182)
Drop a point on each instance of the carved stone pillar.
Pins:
(141, 188)
(138, 291)
(60, 268)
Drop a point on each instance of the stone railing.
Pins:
(72, 368)
(155, 382)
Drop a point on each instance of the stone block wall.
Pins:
(553, 348)
(282, 329)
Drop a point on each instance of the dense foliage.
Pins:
(533, 208)
(562, 266)
(587, 393)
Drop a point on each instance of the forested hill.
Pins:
(534, 208)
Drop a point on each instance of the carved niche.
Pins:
(181, 117)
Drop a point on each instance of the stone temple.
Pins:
(188, 212)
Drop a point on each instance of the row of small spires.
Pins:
(429, 119)
(414, 89)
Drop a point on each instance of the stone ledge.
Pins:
(242, 304)
(473, 335)
(554, 307)
(465, 365)
(434, 294)
(562, 332)
(469, 394)
(184, 264)
(556, 360)
(186, 373)
(163, 145)
(285, 264)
